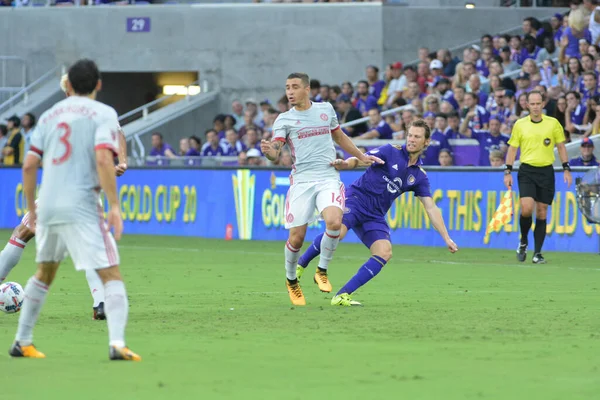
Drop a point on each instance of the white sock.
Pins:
(10, 256)
(328, 245)
(96, 286)
(35, 297)
(116, 306)
(291, 261)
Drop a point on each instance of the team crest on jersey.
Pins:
(290, 218)
(298, 122)
(324, 117)
(547, 142)
(411, 179)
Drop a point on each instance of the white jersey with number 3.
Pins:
(308, 134)
(66, 138)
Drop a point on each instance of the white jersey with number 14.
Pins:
(308, 134)
(67, 138)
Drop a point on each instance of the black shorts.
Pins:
(537, 182)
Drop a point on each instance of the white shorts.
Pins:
(90, 245)
(25, 219)
(303, 198)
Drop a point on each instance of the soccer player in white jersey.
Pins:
(310, 129)
(76, 141)
(23, 233)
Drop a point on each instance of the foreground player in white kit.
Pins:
(308, 129)
(23, 233)
(76, 140)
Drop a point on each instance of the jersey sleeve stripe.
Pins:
(36, 151)
(337, 127)
(279, 139)
(107, 146)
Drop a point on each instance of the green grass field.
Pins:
(212, 320)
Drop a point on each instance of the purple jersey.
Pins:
(161, 152)
(209, 151)
(364, 105)
(381, 184)
(487, 143)
(384, 130)
(376, 88)
(431, 155)
(578, 162)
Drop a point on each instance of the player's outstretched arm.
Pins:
(349, 163)
(271, 149)
(348, 145)
(30, 168)
(122, 166)
(435, 216)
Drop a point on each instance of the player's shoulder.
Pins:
(104, 110)
(324, 105)
(551, 120)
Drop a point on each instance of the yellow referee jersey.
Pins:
(537, 140)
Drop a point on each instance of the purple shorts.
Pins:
(369, 229)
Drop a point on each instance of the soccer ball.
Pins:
(11, 297)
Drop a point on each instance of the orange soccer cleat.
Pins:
(296, 295)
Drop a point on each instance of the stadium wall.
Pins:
(244, 49)
(251, 205)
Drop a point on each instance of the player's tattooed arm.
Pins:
(349, 163)
(348, 145)
(272, 149)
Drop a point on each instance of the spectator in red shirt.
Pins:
(424, 77)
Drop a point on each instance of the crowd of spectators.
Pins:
(479, 95)
(15, 136)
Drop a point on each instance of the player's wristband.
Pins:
(508, 169)
(566, 166)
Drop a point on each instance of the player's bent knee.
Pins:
(334, 224)
(109, 274)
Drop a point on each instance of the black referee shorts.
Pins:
(537, 182)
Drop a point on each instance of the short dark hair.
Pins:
(537, 92)
(574, 93)
(472, 95)
(374, 68)
(442, 115)
(196, 139)
(336, 89)
(219, 118)
(209, 131)
(303, 77)
(590, 73)
(158, 134)
(84, 76)
(420, 123)
(363, 81)
(31, 117)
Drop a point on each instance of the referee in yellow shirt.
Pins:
(536, 135)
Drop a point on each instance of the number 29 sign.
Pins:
(138, 24)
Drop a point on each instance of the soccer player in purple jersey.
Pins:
(310, 129)
(370, 197)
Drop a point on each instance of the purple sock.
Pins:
(313, 251)
(367, 272)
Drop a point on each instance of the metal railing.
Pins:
(144, 110)
(23, 94)
(7, 89)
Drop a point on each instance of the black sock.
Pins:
(321, 270)
(525, 227)
(295, 281)
(539, 234)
